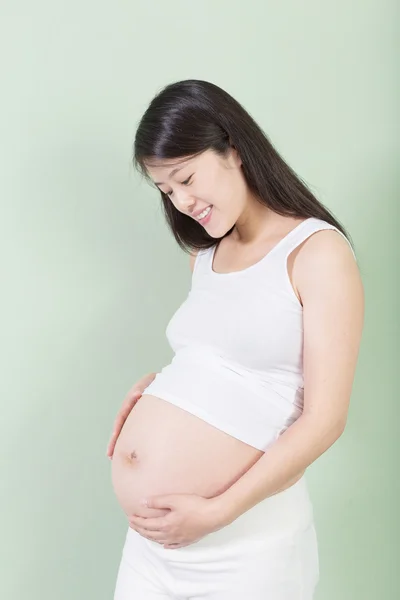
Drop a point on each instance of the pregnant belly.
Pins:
(162, 449)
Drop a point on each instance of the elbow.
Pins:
(335, 429)
(339, 423)
(329, 430)
(341, 427)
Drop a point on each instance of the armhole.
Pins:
(302, 238)
(295, 245)
(348, 241)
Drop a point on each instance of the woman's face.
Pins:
(194, 184)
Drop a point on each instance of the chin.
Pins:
(228, 231)
(217, 235)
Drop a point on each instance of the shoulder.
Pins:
(325, 245)
(324, 262)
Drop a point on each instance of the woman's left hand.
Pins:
(190, 518)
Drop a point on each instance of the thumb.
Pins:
(164, 501)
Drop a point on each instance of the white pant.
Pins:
(268, 553)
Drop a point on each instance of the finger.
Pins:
(148, 523)
(131, 395)
(112, 442)
(113, 439)
(110, 449)
(120, 420)
(123, 413)
(154, 537)
(117, 426)
(111, 445)
(127, 404)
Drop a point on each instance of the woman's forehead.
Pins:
(165, 170)
(162, 169)
(168, 165)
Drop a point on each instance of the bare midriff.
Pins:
(163, 449)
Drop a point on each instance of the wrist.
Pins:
(222, 510)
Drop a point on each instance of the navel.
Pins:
(132, 457)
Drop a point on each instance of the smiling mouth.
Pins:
(204, 214)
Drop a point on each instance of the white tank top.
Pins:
(238, 341)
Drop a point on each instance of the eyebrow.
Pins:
(172, 173)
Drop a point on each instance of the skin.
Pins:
(326, 279)
(211, 179)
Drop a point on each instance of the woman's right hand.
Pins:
(129, 402)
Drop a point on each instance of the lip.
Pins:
(206, 218)
(197, 213)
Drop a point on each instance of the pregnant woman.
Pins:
(265, 350)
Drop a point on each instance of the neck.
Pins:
(254, 222)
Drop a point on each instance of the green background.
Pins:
(91, 275)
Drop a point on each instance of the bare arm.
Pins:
(332, 295)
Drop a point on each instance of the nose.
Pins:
(184, 201)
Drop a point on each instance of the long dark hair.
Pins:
(188, 117)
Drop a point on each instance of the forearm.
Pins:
(290, 482)
(280, 467)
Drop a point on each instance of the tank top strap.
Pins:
(275, 259)
(201, 263)
(300, 233)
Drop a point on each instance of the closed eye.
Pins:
(182, 183)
